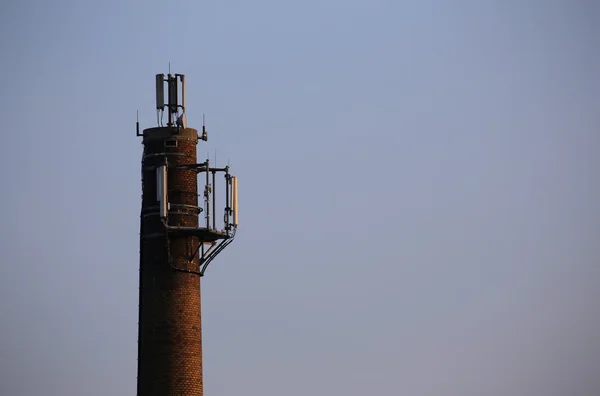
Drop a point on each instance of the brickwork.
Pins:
(170, 334)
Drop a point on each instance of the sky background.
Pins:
(419, 193)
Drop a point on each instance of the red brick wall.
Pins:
(170, 334)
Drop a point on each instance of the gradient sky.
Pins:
(419, 193)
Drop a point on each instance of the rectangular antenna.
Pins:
(234, 198)
(160, 92)
(161, 189)
(172, 83)
(182, 78)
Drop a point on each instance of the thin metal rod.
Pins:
(234, 194)
(227, 205)
(214, 201)
(207, 197)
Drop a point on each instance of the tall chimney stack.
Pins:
(178, 239)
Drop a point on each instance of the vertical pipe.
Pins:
(207, 197)
(227, 204)
(169, 97)
(214, 211)
(182, 78)
(234, 193)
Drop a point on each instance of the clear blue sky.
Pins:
(419, 192)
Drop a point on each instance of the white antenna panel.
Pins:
(160, 91)
(161, 190)
(234, 196)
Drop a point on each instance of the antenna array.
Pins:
(174, 104)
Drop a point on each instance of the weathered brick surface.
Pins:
(170, 334)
